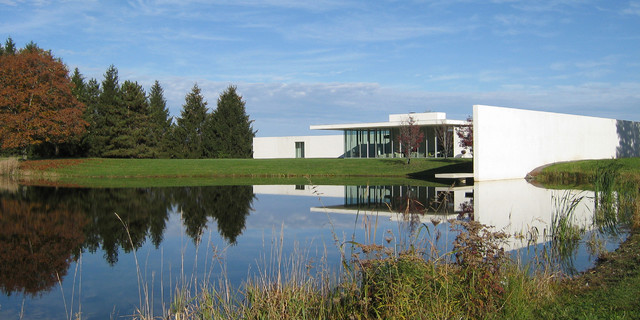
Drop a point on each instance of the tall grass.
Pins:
(396, 277)
(9, 166)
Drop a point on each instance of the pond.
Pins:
(105, 253)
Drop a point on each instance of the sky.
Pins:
(305, 62)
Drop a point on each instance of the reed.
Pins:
(404, 277)
(9, 166)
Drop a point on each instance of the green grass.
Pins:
(174, 172)
(612, 288)
(582, 173)
(610, 291)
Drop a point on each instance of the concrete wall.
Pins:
(509, 143)
(285, 147)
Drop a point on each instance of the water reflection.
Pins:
(44, 230)
(37, 243)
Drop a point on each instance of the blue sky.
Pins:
(299, 62)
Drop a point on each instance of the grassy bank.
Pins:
(170, 172)
(611, 289)
(584, 173)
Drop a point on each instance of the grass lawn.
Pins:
(171, 172)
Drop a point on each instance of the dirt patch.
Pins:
(45, 165)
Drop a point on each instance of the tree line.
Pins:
(45, 112)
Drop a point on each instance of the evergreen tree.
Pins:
(189, 131)
(231, 130)
(79, 86)
(130, 131)
(160, 122)
(31, 47)
(91, 100)
(9, 47)
(105, 113)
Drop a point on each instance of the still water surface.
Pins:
(64, 250)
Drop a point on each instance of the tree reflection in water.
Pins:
(38, 241)
(228, 205)
(43, 229)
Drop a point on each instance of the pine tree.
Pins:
(189, 131)
(9, 47)
(79, 86)
(160, 121)
(31, 47)
(105, 114)
(231, 130)
(92, 100)
(130, 131)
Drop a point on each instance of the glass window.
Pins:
(299, 149)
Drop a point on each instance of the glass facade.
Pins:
(368, 143)
(300, 149)
(382, 143)
(396, 199)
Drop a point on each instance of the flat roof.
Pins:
(376, 125)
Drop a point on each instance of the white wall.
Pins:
(331, 146)
(509, 143)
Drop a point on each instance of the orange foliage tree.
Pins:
(36, 103)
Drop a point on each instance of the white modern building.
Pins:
(507, 143)
(368, 140)
(331, 146)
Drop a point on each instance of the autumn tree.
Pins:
(410, 137)
(465, 134)
(36, 102)
(232, 131)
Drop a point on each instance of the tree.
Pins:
(160, 121)
(130, 119)
(102, 114)
(444, 135)
(36, 102)
(79, 86)
(465, 133)
(90, 96)
(9, 47)
(410, 138)
(232, 132)
(189, 131)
